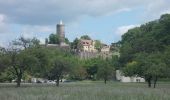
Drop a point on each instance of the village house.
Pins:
(87, 45)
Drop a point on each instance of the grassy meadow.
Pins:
(85, 91)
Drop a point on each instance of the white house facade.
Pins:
(122, 78)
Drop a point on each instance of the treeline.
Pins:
(145, 50)
(26, 59)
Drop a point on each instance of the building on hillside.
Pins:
(87, 45)
(87, 50)
(120, 77)
(105, 48)
(105, 51)
(87, 55)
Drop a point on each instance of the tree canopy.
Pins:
(86, 37)
(143, 48)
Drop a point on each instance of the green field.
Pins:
(85, 91)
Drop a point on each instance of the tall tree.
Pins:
(18, 57)
(59, 68)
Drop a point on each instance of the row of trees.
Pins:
(145, 50)
(26, 58)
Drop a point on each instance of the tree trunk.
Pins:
(19, 77)
(61, 79)
(149, 81)
(105, 81)
(58, 80)
(155, 80)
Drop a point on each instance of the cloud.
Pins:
(38, 13)
(37, 29)
(3, 25)
(155, 9)
(49, 12)
(123, 29)
(41, 16)
(46, 12)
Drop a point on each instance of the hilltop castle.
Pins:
(60, 31)
(86, 47)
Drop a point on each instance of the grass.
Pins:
(85, 91)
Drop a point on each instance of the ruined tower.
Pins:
(61, 32)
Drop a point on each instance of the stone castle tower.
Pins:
(60, 30)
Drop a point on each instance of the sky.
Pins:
(105, 20)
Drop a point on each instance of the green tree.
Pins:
(42, 55)
(151, 66)
(18, 58)
(105, 71)
(3, 59)
(6, 75)
(146, 45)
(54, 39)
(115, 47)
(91, 66)
(67, 41)
(19, 62)
(60, 66)
(78, 71)
(75, 43)
(98, 45)
(86, 37)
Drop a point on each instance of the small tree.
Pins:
(105, 71)
(54, 39)
(59, 66)
(75, 43)
(98, 45)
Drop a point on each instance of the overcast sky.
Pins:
(105, 20)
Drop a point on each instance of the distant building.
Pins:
(87, 50)
(120, 77)
(105, 48)
(87, 45)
